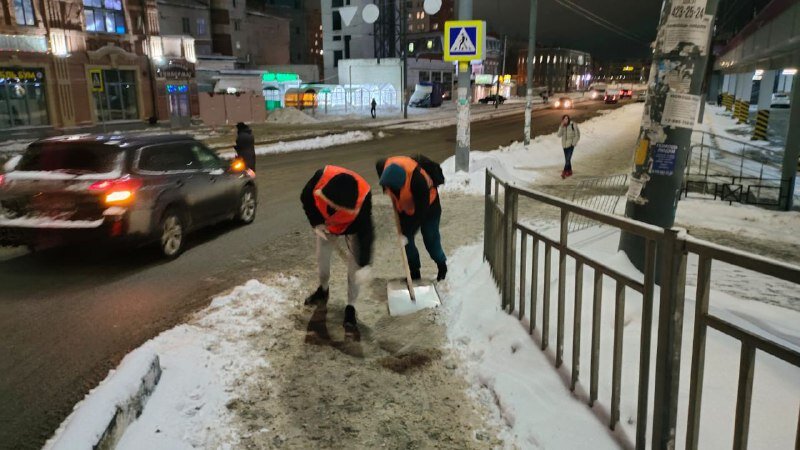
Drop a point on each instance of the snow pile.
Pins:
(739, 219)
(15, 146)
(290, 116)
(206, 366)
(507, 371)
(518, 164)
(506, 367)
(92, 416)
(316, 143)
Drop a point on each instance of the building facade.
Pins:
(74, 63)
(557, 69)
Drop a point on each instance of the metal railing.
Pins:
(666, 249)
(598, 194)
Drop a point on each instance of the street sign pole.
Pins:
(674, 93)
(462, 107)
(529, 76)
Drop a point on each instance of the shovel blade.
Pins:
(400, 303)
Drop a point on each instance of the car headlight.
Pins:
(558, 103)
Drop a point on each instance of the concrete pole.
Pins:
(462, 107)
(665, 135)
(792, 151)
(531, 56)
(764, 101)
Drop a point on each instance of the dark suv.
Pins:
(121, 188)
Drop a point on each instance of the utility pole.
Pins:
(674, 93)
(462, 107)
(502, 72)
(531, 55)
(404, 49)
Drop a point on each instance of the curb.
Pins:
(102, 417)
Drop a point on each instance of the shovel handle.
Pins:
(405, 257)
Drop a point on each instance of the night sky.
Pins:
(559, 26)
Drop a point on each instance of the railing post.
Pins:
(670, 331)
(744, 397)
(562, 287)
(698, 352)
(509, 247)
(487, 211)
(644, 348)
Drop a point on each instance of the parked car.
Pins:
(597, 93)
(563, 103)
(113, 189)
(491, 99)
(612, 96)
(780, 100)
(641, 96)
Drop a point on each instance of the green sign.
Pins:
(279, 77)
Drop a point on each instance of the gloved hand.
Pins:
(364, 275)
(322, 231)
(404, 240)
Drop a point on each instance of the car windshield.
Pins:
(75, 158)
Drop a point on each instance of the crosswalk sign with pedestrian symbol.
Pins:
(464, 40)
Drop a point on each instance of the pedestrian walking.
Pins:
(338, 203)
(412, 185)
(570, 134)
(245, 145)
(373, 108)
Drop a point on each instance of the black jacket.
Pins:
(362, 227)
(246, 147)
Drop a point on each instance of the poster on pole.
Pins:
(681, 110)
(664, 158)
(687, 28)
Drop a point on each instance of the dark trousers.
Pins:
(372, 111)
(430, 237)
(568, 158)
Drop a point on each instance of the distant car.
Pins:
(780, 100)
(113, 189)
(597, 94)
(641, 96)
(626, 93)
(491, 99)
(563, 103)
(611, 97)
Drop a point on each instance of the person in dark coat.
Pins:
(338, 202)
(412, 185)
(246, 145)
(372, 108)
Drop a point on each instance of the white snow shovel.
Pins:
(405, 297)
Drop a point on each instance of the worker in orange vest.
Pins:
(412, 185)
(338, 203)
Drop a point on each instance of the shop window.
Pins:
(22, 98)
(447, 78)
(436, 76)
(119, 100)
(104, 16)
(202, 27)
(424, 76)
(24, 12)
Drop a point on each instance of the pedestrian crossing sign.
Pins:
(464, 40)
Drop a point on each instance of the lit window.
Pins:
(202, 29)
(24, 12)
(430, 44)
(104, 16)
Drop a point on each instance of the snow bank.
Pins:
(519, 164)
(101, 418)
(206, 366)
(290, 116)
(507, 371)
(316, 143)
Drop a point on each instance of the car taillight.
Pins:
(119, 192)
(2, 179)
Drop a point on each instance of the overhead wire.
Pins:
(589, 15)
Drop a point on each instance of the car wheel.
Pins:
(246, 212)
(172, 234)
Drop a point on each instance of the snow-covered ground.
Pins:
(614, 131)
(316, 143)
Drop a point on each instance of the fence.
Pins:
(734, 171)
(598, 194)
(665, 249)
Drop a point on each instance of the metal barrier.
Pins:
(666, 249)
(599, 194)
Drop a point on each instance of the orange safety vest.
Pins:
(405, 203)
(338, 222)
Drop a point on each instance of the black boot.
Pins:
(415, 275)
(350, 323)
(320, 296)
(442, 271)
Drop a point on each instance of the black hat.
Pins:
(241, 126)
(342, 190)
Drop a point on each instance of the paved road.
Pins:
(67, 317)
